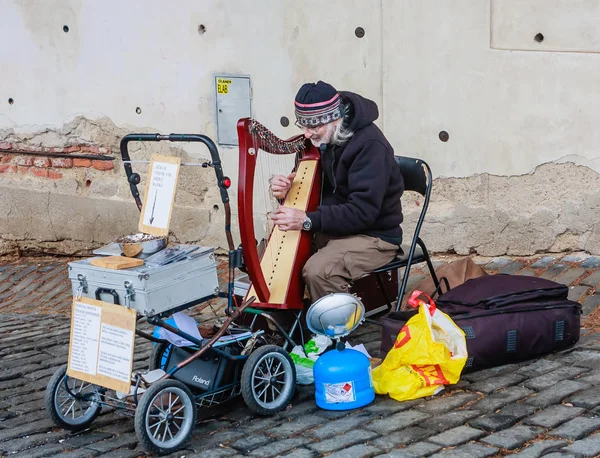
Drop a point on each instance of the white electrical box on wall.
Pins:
(233, 95)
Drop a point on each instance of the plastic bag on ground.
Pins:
(304, 358)
(430, 352)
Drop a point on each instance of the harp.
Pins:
(276, 279)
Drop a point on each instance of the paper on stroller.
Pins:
(184, 323)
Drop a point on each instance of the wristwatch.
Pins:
(306, 224)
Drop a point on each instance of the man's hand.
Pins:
(280, 185)
(288, 219)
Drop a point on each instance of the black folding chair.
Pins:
(417, 177)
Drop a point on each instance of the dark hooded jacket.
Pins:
(362, 184)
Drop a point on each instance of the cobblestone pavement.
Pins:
(545, 407)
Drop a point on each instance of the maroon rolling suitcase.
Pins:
(511, 318)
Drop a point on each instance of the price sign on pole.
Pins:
(161, 184)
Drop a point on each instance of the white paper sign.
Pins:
(115, 357)
(161, 189)
(84, 342)
(101, 345)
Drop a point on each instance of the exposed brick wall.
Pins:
(50, 167)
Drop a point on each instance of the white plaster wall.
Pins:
(506, 111)
(119, 55)
(468, 67)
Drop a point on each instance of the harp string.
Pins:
(281, 159)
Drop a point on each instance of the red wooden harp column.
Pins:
(276, 279)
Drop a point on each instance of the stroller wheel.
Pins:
(160, 355)
(165, 416)
(72, 404)
(268, 380)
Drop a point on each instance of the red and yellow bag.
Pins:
(430, 352)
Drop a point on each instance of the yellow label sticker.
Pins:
(223, 86)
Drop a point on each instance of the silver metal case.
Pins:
(149, 290)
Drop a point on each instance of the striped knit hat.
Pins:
(317, 104)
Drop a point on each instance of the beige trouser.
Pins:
(340, 260)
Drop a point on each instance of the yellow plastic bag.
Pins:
(430, 352)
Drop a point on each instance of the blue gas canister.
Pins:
(343, 380)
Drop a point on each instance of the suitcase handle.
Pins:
(112, 292)
(414, 301)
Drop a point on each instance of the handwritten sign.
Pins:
(101, 345)
(161, 184)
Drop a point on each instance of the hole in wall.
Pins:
(138, 110)
(11, 101)
(359, 32)
(443, 136)
(215, 208)
(66, 28)
(284, 121)
(539, 38)
(201, 29)
(88, 183)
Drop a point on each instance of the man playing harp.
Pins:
(357, 224)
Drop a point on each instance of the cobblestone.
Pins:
(590, 446)
(587, 399)
(451, 419)
(551, 379)
(512, 268)
(335, 427)
(554, 416)
(540, 448)
(539, 367)
(456, 436)
(389, 406)
(356, 451)
(554, 271)
(576, 293)
(504, 418)
(501, 398)
(296, 426)
(591, 263)
(412, 451)
(491, 372)
(543, 262)
(300, 453)
(447, 403)
(492, 384)
(584, 358)
(590, 303)
(498, 263)
(591, 378)
(576, 428)
(114, 444)
(345, 440)
(85, 440)
(592, 280)
(513, 437)
(278, 447)
(496, 405)
(403, 437)
(398, 421)
(468, 451)
(573, 258)
(528, 273)
(41, 452)
(570, 275)
(213, 453)
(250, 442)
(556, 393)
